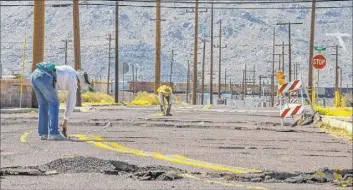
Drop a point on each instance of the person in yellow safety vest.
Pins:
(165, 93)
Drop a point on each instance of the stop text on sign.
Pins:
(319, 61)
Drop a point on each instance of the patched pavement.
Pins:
(196, 148)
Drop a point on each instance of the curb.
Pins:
(334, 122)
(29, 110)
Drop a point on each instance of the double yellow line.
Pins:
(175, 158)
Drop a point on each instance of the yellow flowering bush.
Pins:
(89, 98)
(329, 111)
(145, 99)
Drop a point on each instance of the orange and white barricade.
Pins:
(290, 108)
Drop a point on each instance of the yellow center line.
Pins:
(100, 144)
(197, 164)
(23, 137)
(220, 165)
(120, 147)
(222, 183)
(207, 106)
(176, 158)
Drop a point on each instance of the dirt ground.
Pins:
(196, 148)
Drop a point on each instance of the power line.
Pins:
(188, 7)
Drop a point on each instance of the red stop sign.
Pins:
(319, 61)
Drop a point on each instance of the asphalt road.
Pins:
(196, 148)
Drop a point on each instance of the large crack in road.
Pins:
(80, 164)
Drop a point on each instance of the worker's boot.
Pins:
(168, 110)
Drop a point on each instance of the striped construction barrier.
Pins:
(290, 86)
(294, 93)
(291, 110)
(294, 100)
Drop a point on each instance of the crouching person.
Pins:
(46, 78)
(165, 94)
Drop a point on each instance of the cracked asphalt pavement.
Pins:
(116, 147)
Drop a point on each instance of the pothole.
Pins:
(82, 164)
(340, 177)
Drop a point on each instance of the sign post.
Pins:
(319, 62)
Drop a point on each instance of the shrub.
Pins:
(97, 98)
(145, 99)
(347, 112)
(89, 98)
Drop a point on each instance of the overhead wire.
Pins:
(245, 2)
(190, 7)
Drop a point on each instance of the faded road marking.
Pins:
(23, 137)
(222, 183)
(114, 146)
(217, 165)
(207, 106)
(156, 114)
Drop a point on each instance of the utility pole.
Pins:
(260, 83)
(116, 95)
(188, 83)
(260, 86)
(194, 86)
(203, 71)
(311, 49)
(171, 69)
(123, 82)
(273, 69)
(77, 47)
(220, 58)
(110, 41)
(211, 64)
(136, 79)
(133, 79)
(157, 65)
(337, 94)
(38, 33)
(244, 83)
(65, 49)
(281, 56)
(230, 86)
(289, 46)
(38, 39)
(196, 31)
(225, 80)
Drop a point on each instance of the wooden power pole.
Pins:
(188, 83)
(289, 47)
(110, 47)
(273, 69)
(157, 66)
(194, 82)
(116, 93)
(225, 80)
(211, 59)
(38, 39)
(203, 72)
(77, 47)
(38, 33)
(171, 69)
(220, 58)
(65, 49)
(311, 49)
(337, 94)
